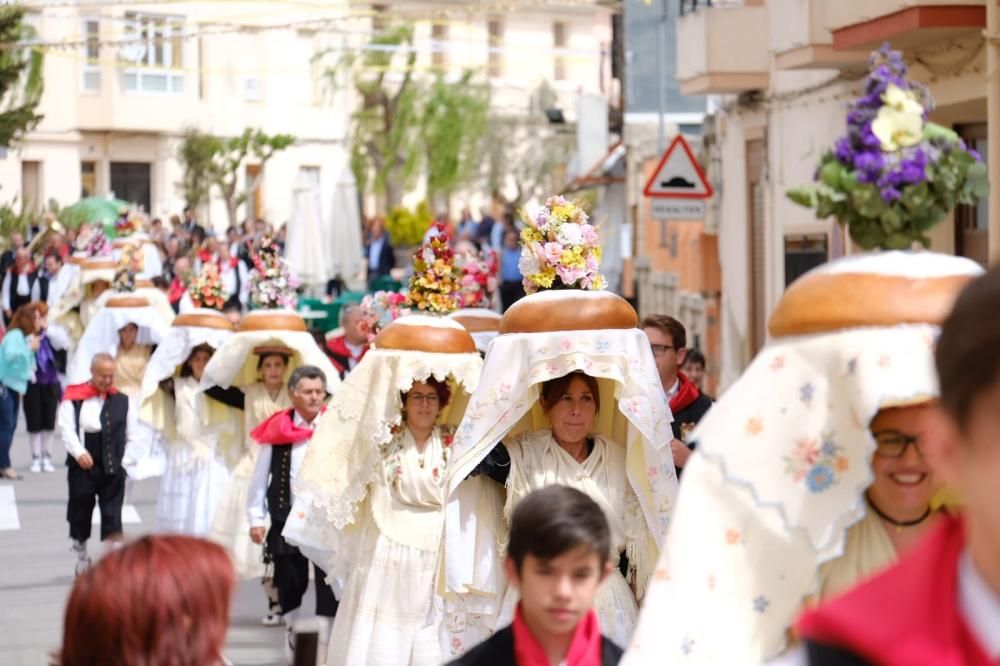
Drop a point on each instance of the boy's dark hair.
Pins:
(695, 357)
(968, 351)
(555, 520)
(668, 325)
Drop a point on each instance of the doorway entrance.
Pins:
(130, 181)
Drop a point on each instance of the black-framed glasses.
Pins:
(421, 398)
(660, 350)
(893, 444)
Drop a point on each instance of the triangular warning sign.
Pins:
(678, 175)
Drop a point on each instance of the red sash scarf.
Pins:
(686, 394)
(85, 391)
(280, 428)
(177, 290)
(586, 649)
(907, 615)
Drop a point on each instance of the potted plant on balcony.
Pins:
(894, 175)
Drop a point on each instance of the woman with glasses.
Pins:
(370, 494)
(899, 501)
(811, 473)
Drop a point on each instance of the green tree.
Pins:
(195, 153)
(228, 162)
(406, 125)
(524, 152)
(21, 81)
(211, 160)
(454, 123)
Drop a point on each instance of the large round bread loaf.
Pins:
(568, 310)
(272, 320)
(881, 289)
(425, 333)
(204, 318)
(477, 320)
(127, 302)
(97, 264)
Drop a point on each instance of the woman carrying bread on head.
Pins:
(813, 472)
(203, 439)
(569, 390)
(370, 494)
(249, 372)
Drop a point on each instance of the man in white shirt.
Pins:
(284, 438)
(56, 281)
(96, 426)
(234, 276)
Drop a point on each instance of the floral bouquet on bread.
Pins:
(559, 249)
(272, 286)
(894, 175)
(436, 283)
(127, 224)
(206, 288)
(130, 263)
(93, 242)
(479, 279)
(379, 310)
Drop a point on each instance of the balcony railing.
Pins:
(688, 6)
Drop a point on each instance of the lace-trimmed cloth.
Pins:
(346, 456)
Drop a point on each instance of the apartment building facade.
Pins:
(782, 73)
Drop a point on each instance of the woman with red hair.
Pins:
(158, 600)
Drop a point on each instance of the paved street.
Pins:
(36, 571)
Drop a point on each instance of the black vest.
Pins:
(279, 486)
(43, 288)
(114, 431)
(234, 298)
(16, 300)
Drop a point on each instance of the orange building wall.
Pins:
(682, 247)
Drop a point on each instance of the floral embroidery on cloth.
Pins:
(817, 462)
(392, 450)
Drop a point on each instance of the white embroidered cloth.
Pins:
(344, 457)
(102, 336)
(235, 364)
(779, 475)
(634, 413)
(174, 350)
(156, 298)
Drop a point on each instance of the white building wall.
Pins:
(261, 79)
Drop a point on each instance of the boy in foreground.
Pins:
(557, 558)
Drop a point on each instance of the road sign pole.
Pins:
(661, 47)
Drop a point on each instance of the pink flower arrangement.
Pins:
(479, 278)
(559, 249)
(271, 285)
(93, 242)
(380, 309)
(206, 288)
